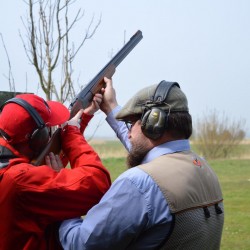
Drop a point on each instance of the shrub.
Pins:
(216, 136)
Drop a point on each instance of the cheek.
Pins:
(136, 133)
(135, 129)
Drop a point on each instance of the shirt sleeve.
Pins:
(123, 214)
(119, 128)
(111, 224)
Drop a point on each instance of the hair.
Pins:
(180, 124)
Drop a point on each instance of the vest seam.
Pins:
(196, 207)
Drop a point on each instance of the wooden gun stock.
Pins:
(54, 145)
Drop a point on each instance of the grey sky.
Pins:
(203, 45)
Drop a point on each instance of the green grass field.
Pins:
(234, 176)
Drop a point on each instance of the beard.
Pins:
(136, 155)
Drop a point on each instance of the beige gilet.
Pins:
(194, 196)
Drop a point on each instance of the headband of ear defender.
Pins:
(154, 119)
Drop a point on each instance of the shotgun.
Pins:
(85, 96)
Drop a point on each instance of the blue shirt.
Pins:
(133, 214)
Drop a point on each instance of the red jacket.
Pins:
(34, 199)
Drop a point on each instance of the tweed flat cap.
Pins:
(175, 101)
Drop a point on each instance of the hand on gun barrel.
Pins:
(85, 96)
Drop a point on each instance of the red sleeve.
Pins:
(69, 193)
(77, 150)
(84, 123)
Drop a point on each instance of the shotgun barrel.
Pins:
(83, 99)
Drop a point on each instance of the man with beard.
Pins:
(169, 198)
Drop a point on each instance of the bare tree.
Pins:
(217, 135)
(10, 76)
(49, 48)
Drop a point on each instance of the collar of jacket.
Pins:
(5, 156)
(8, 155)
